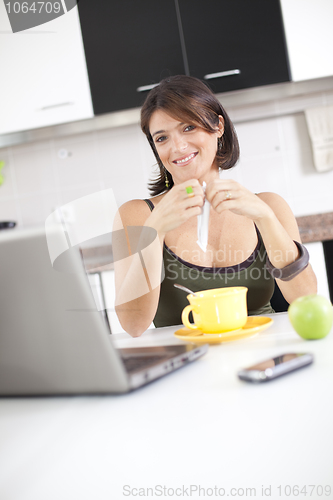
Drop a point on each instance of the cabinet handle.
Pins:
(221, 74)
(44, 108)
(144, 88)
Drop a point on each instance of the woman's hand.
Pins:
(276, 224)
(227, 194)
(176, 207)
(138, 287)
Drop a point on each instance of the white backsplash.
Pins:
(276, 155)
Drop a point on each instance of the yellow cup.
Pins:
(218, 310)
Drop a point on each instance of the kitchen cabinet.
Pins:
(309, 34)
(44, 75)
(235, 44)
(130, 46)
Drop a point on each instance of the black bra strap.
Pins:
(150, 204)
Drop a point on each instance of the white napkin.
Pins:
(320, 125)
(203, 222)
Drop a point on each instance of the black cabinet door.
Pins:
(128, 44)
(244, 37)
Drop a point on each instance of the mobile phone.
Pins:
(275, 367)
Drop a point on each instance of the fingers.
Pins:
(228, 195)
(191, 188)
(224, 189)
(225, 205)
(220, 195)
(179, 205)
(190, 193)
(223, 197)
(192, 211)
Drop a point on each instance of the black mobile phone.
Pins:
(275, 367)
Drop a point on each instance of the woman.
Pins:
(251, 237)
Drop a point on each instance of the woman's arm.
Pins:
(138, 270)
(277, 226)
(278, 231)
(136, 299)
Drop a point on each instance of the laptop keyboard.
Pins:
(135, 363)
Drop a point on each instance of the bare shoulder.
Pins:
(133, 213)
(282, 211)
(274, 200)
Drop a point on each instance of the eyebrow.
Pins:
(158, 132)
(163, 131)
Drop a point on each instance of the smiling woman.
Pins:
(190, 101)
(181, 145)
(252, 238)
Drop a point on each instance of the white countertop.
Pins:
(198, 426)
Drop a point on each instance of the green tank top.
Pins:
(251, 273)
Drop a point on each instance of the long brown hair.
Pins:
(188, 99)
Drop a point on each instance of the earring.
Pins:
(166, 180)
(220, 143)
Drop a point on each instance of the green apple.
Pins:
(311, 316)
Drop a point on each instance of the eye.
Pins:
(189, 128)
(160, 139)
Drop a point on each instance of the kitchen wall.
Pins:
(276, 155)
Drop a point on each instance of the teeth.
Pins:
(186, 159)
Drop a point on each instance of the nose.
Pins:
(179, 143)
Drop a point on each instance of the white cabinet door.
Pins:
(309, 32)
(44, 78)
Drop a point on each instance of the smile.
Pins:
(186, 159)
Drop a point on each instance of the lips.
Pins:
(185, 159)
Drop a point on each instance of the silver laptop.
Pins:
(53, 340)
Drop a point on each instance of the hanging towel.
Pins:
(320, 125)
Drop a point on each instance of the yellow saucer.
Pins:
(253, 325)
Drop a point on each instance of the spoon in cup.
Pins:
(181, 287)
(194, 333)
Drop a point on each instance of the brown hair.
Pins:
(188, 98)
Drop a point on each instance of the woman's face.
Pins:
(186, 150)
